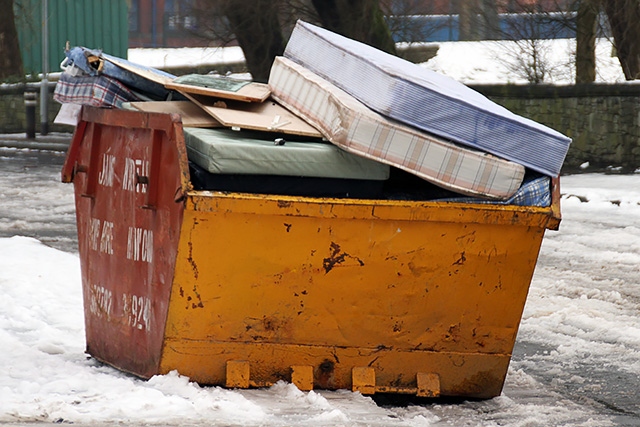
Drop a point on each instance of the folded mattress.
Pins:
(425, 99)
(97, 91)
(224, 151)
(346, 122)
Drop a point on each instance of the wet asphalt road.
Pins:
(35, 203)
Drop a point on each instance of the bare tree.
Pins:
(414, 21)
(466, 11)
(586, 29)
(527, 28)
(361, 20)
(477, 19)
(624, 20)
(256, 26)
(624, 24)
(261, 27)
(10, 58)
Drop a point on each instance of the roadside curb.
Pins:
(52, 142)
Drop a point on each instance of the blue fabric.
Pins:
(535, 191)
(78, 56)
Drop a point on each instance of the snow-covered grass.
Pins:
(497, 62)
(476, 62)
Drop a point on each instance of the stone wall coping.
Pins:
(540, 91)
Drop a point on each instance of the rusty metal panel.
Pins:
(126, 173)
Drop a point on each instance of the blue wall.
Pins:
(439, 28)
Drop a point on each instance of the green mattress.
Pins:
(225, 151)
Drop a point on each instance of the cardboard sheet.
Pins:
(192, 114)
(156, 76)
(266, 116)
(220, 87)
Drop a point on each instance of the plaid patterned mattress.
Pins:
(97, 91)
(427, 100)
(535, 191)
(350, 125)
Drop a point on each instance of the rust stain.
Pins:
(374, 360)
(397, 382)
(192, 262)
(284, 204)
(268, 328)
(467, 238)
(482, 384)
(270, 323)
(453, 334)
(397, 327)
(324, 374)
(190, 259)
(461, 260)
(193, 301)
(337, 257)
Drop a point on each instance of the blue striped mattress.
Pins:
(427, 100)
(350, 125)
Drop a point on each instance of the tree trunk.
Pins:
(467, 19)
(10, 58)
(257, 28)
(489, 20)
(586, 25)
(360, 20)
(624, 19)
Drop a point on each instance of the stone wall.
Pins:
(602, 120)
(13, 118)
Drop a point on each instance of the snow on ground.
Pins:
(583, 303)
(191, 56)
(580, 322)
(479, 62)
(493, 62)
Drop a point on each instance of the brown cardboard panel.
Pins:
(192, 114)
(149, 75)
(266, 116)
(252, 92)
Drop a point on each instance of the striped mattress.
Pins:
(425, 99)
(350, 125)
